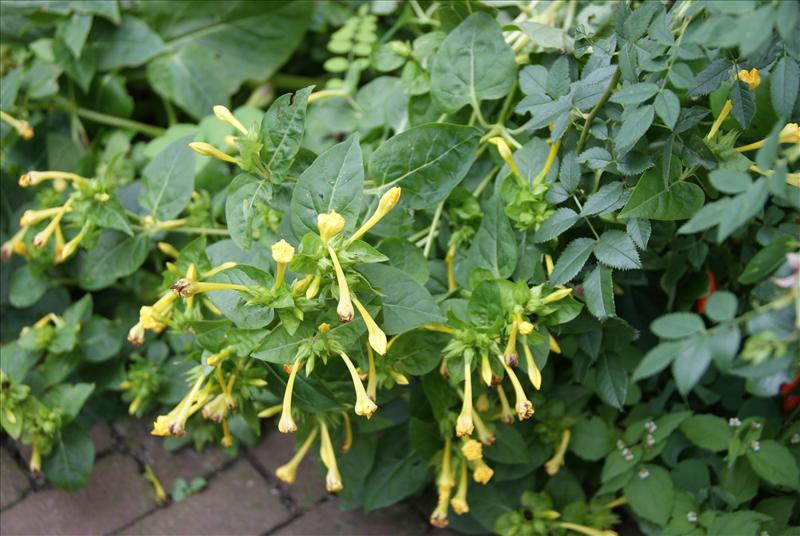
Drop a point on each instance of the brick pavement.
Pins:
(242, 496)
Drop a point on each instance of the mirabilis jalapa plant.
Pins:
(544, 251)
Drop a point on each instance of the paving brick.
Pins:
(114, 496)
(186, 463)
(327, 520)
(101, 437)
(274, 450)
(237, 501)
(13, 481)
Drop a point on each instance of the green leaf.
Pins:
(571, 261)
(116, 255)
(333, 182)
(743, 207)
(510, 447)
(592, 439)
(657, 359)
(406, 256)
(417, 353)
(494, 246)
(234, 305)
(744, 103)
(744, 522)
(668, 108)
(639, 230)
(595, 158)
(691, 363)
(398, 472)
(129, 44)
(707, 431)
(634, 93)
(634, 126)
(406, 303)
(282, 132)
(730, 181)
(617, 250)
(774, 463)
(612, 379)
(68, 399)
(784, 85)
(598, 289)
(721, 306)
(111, 215)
(169, 180)
(69, 464)
(246, 194)
(710, 78)
(427, 161)
(677, 325)
(561, 220)
(652, 200)
(100, 340)
(474, 63)
(603, 199)
(75, 31)
(650, 494)
(767, 260)
(26, 286)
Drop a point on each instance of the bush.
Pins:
(581, 218)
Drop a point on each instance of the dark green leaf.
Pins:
(598, 288)
(617, 250)
(169, 180)
(72, 458)
(571, 261)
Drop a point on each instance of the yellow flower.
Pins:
(23, 128)
(71, 246)
(464, 424)
(472, 450)
(43, 237)
(225, 115)
(484, 434)
(345, 307)
(459, 502)
(14, 245)
(270, 411)
(388, 202)
(790, 133)
(486, 370)
(752, 78)
(557, 295)
(218, 408)
(174, 422)
(587, 531)
(534, 374)
(32, 217)
(206, 149)
(505, 154)
(333, 480)
(35, 465)
(185, 287)
(510, 353)
(481, 473)
(554, 347)
(288, 472)
(377, 338)
(313, 288)
(329, 225)
(364, 406)
(523, 406)
(282, 254)
(32, 178)
(506, 415)
(286, 424)
(557, 461)
(525, 328)
(136, 334)
(168, 249)
(439, 516)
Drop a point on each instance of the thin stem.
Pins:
(106, 119)
(434, 224)
(596, 110)
(485, 181)
(580, 208)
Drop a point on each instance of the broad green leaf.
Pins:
(485, 305)
(561, 220)
(784, 85)
(494, 246)
(168, 180)
(721, 306)
(743, 522)
(650, 494)
(406, 256)
(653, 201)
(595, 158)
(510, 447)
(75, 31)
(710, 78)
(417, 353)
(603, 199)
(116, 255)
(743, 207)
(677, 325)
(129, 44)
(27, 286)
(68, 398)
(617, 250)
(708, 216)
(707, 431)
(100, 340)
(282, 132)
(691, 363)
(639, 230)
(668, 108)
(635, 93)
(657, 359)
(333, 182)
(71, 460)
(234, 305)
(774, 463)
(426, 161)
(730, 181)
(405, 303)
(398, 472)
(598, 288)
(571, 261)
(587, 91)
(474, 63)
(767, 260)
(111, 215)
(247, 194)
(612, 379)
(744, 104)
(592, 439)
(633, 127)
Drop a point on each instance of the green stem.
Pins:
(106, 119)
(429, 240)
(580, 209)
(587, 125)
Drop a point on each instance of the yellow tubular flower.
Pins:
(557, 295)
(789, 134)
(345, 307)
(32, 217)
(752, 78)
(554, 347)
(459, 502)
(439, 516)
(14, 245)
(619, 501)
(534, 374)
(588, 531)
(282, 254)
(377, 338)
(548, 264)
(445, 478)
(175, 421)
(313, 288)
(348, 434)
(551, 157)
(219, 268)
(59, 243)
(185, 287)
(464, 424)
(72, 246)
(158, 489)
(484, 434)
(506, 415)
(372, 377)
(505, 154)
(388, 202)
(472, 450)
(32, 178)
(557, 461)
(510, 354)
(217, 409)
(215, 359)
(399, 378)
(449, 260)
(525, 327)
(225, 115)
(206, 149)
(486, 370)
(723, 115)
(35, 465)
(23, 128)
(286, 424)
(271, 411)
(364, 406)
(288, 472)
(136, 334)
(523, 406)
(329, 225)
(299, 286)
(43, 237)
(439, 328)
(168, 249)
(227, 438)
(333, 480)
(481, 473)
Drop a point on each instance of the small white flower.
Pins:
(692, 517)
(620, 444)
(643, 473)
(650, 441)
(650, 426)
(755, 445)
(756, 426)
(795, 439)
(734, 422)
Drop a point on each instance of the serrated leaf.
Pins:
(668, 108)
(653, 201)
(595, 158)
(633, 128)
(710, 78)
(617, 250)
(744, 103)
(598, 289)
(603, 199)
(571, 260)
(561, 220)
(634, 93)
(612, 380)
(639, 230)
(784, 86)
